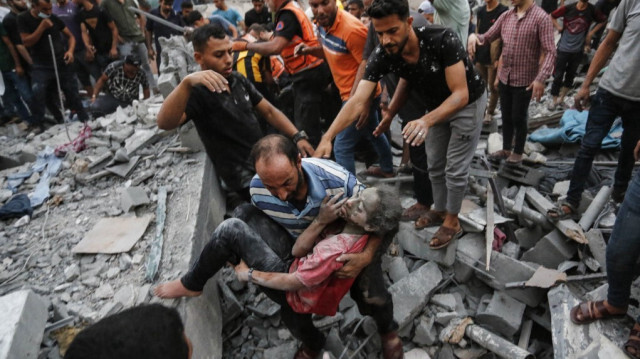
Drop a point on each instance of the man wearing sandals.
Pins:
(527, 33)
(623, 250)
(618, 95)
(433, 61)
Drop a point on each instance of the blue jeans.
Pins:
(605, 107)
(17, 90)
(106, 104)
(346, 140)
(43, 85)
(623, 248)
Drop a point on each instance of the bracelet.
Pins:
(250, 275)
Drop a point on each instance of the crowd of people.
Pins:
(283, 92)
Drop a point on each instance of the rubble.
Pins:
(23, 315)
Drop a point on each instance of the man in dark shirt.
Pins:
(10, 23)
(487, 56)
(157, 30)
(310, 75)
(258, 15)
(221, 103)
(99, 34)
(38, 28)
(123, 80)
(454, 97)
(185, 9)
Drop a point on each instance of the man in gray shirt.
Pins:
(618, 95)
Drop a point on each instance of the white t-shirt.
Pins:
(622, 77)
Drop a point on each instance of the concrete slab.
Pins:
(553, 249)
(503, 314)
(132, 197)
(471, 247)
(23, 315)
(113, 235)
(416, 242)
(581, 341)
(412, 293)
(598, 247)
(528, 237)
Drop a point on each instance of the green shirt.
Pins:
(455, 15)
(124, 18)
(6, 61)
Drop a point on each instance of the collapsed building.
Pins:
(88, 234)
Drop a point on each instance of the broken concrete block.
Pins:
(561, 188)
(72, 272)
(167, 81)
(425, 334)
(444, 318)
(551, 250)
(471, 247)
(126, 295)
(333, 343)
(511, 249)
(598, 247)
(582, 341)
(286, 350)
(505, 269)
(229, 304)
(23, 315)
(351, 317)
(397, 269)
(502, 315)
(494, 143)
(189, 137)
(416, 242)
(132, 197)
(412, 293)
(416, 353)
(446, 301)
(528, 237)
(104, 291)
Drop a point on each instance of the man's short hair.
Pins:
(37, 2)
(384, 8)
(259, 28)
(273, 145)
(358, 3)
(186, 5)
(387, 214)
(145, 332)
(193, 16)
(167, 2)
(202, 34)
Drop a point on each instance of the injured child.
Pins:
(308, 279)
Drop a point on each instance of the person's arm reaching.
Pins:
(273, 280)
(146, 93)
(271, 47)
(113, 52)
(14, 55)
(349, 113)
(600, 59)
(278, 120)
(416, 131)
(303, 49)
(587, 41)
(71, 45)
(98, 86)
(488, 37)
(31, 39)
(397, 101)
(171, 113)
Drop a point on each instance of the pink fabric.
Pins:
(323, 290)
(76, 145)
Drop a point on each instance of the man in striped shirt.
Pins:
(527, 33)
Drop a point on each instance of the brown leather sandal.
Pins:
(429, 219)
(444, 236)
(632, 346)
(500, 155)
(414, 212)
(590, 312)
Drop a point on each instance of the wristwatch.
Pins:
(300, 135)
(250, 275)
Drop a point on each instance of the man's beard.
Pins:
(401, 45)
(299, 186)
(20, 8)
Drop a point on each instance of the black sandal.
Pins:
(633, 343)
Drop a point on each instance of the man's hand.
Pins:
(305, 148)
(242, 271)
(581, 99)
(383, 127)
(324, 149)
(354, 263)
(19, 70)
(415, 132)
(113, 53)
(472, 41)
(300, 49)
(68, 57)
(538, 90)
(151, 54)
(209, 78)
(46, 24)
(93, 98)
(636, 151)
(330, 209)
(89, 56)
(364, 116)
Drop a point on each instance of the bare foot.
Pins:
(173, 289)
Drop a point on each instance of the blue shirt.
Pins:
(230, 15)
(222, 22)
(324, 178)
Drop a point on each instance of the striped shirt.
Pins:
(523, 41)
(324, 178)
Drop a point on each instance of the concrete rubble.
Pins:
(438, 295)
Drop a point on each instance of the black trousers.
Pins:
(266, 246)
(514, 103)
(308, 86)
(566, 67)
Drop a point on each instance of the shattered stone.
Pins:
(133, 197)
(413, 292)
(413, 241)
(351, 317)
(528, 237)
(71, 273)
(397, 269)
(113, 272)
(551, 250)
(502, 315)
(416, 353)
(124, 262)
(444, 318)
(446, 301)
(425, 334)
(23, 315)
(105, 291)
(471, 248)
(125, 295)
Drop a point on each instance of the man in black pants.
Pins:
(286, 184)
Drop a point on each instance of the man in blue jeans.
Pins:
(623, 250)
(618, 95)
